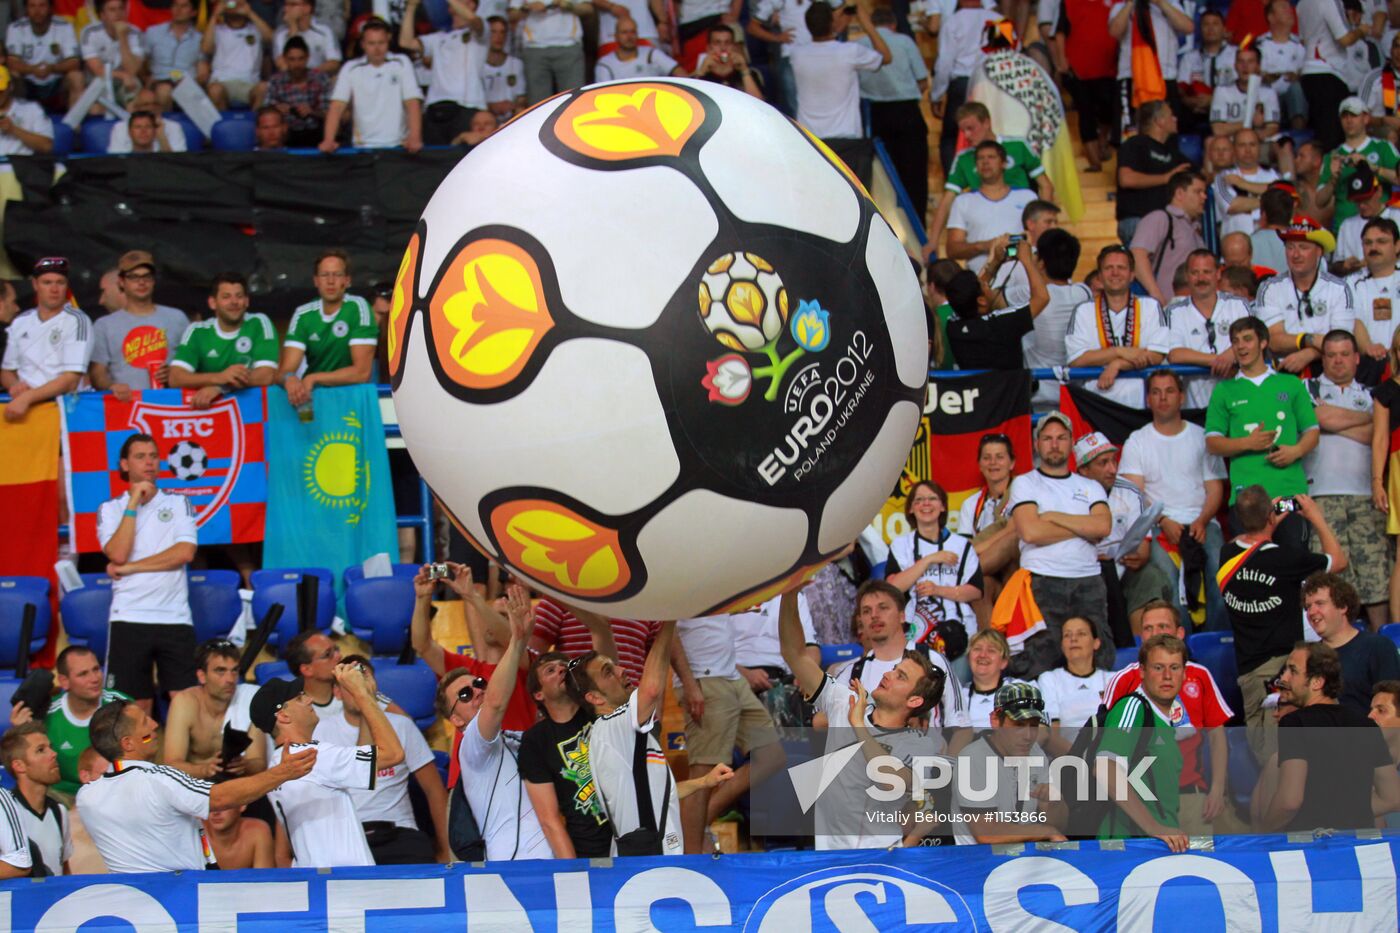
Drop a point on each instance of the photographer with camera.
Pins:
(1261, 583)
(983, 338)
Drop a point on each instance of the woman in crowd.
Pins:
(1385, 460)
(1073, 690)
(937, 568)
(987, 657)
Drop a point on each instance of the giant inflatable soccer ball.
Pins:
(655, 350)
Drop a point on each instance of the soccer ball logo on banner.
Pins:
(655, 350)
(187, 460)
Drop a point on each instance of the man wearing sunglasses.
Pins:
(1304, 302)
(488, 753)
(317, 823)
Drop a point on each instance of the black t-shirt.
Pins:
(1343, 749)
(1366, 660)
(1262, 594)
(557, 753)
(990, 341)
(1144, 154)
(1387, 394)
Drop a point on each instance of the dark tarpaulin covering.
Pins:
(266, 215)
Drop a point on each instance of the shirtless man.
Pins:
(238, 841)
(194, 730)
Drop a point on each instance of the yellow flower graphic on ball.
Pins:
(744, 305)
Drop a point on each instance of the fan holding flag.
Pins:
(1147, 63)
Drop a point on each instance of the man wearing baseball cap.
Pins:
(1364, 190)
(1059, 517)
(132, 347)
(1018, 713)
(1301, 304)
(317, 826)
(24, 127)
(1131, 580)
(1357, 147)
(49, 345)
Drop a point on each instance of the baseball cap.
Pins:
(1019, 701)
(1304, 227)
(1362, 183)
(270, 698)
(135, 259)
(51, 264)
(1090, 446)
(1054, 416)
(1355, 105)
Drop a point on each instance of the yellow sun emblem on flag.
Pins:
(334, 474)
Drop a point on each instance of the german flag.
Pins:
(29, 500)
(1148, 83)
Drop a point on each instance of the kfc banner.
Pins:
(214, 456)
(958, 411)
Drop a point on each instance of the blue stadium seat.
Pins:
(1216, 652)
(270, 670)
(1125, 656)
(357, 572)
(280, 586)
(230, 135)
(1392, 631)
(1244, 772)
(832, 654)
(85, 612)
(443, 761)
(96, 134)
(877, 572)
(15, 593)
(413, 687)
(1191, 146)
(194, 136)
(214, 602)
(384, 607)
(63, 137)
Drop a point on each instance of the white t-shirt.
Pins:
(504, 814)
(611, 745)
(146, 817)
(791, 16)
(1073, 495)
(1174, 468)
(504, 82)
(321, 44)
(959, 47)
(1280, 58)
(456, 59)
(756, 633)
(1166, 36)
(1006, 799)
(1126, 503)
(30, 117)
(96, 43)
(119, 143)
(162, 597)
(986, 219)
(376, 94)
(1320, 24)
(841, 820)
(1339, 466)
(553, 28)
(908, 549)
(1278, 300)
(388, 799)
(1349, 236)
(1044, 346)
(237, 54)
(977, 512)
(828, 86)
(649, 62)
(1227, 106)
(1191, 330)
(1082, 336)
(980, 705)
(316, 810)
(14, 844)
(708, 643)
(952, 711)
(57, 43)
(641, 15)
(1366, 290)
(1225, 194)
(1196, 66)
(41, 351)
(49, 830)
(1071, 699)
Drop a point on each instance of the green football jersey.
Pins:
(1122, 731)
(1380, 153)
(70, 738)
(205, 348)
(1022, 168)
(1279, 402)
(327, 343)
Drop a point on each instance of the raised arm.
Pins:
(388, 750)
(652, 689)
(793, 644)
(521, 616)
(420, 628)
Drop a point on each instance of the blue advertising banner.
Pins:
(1246, 883)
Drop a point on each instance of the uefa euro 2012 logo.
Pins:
(745, 306)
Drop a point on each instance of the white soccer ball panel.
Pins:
(767, 172)
(864, 491)
(903, 302)
(612, 428)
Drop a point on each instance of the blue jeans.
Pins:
(788, 82)
(1216, 619)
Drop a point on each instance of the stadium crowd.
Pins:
(1270, 521)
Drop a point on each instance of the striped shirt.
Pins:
(557, 626)
(146, 817)
(14, 844)
(317, 810)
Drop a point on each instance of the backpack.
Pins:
(463, 834)
(1087, 813)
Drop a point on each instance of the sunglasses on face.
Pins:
(465, 694)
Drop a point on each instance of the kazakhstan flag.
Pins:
(330, 502)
